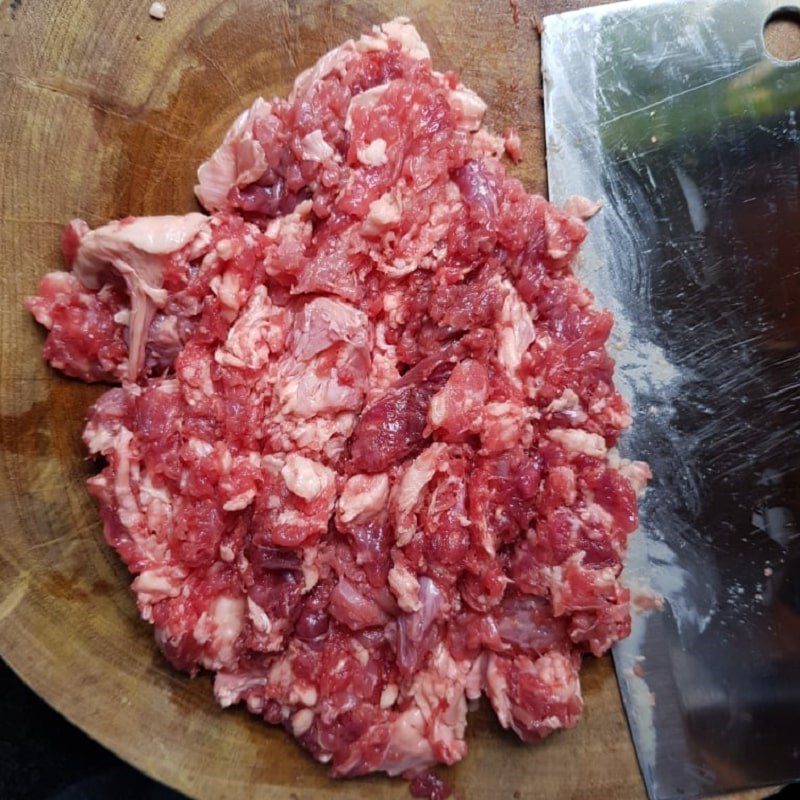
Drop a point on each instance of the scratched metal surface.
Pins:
(673, 115)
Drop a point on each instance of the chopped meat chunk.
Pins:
(361, 461)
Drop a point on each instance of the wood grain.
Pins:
(108, 113)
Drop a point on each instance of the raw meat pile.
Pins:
(359, 460)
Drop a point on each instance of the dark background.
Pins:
(44, 757)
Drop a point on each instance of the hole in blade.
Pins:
(782, 34)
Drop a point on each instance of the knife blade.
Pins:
(673, 115)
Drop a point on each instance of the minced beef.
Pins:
(360, 460)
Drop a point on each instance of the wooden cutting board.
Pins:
(107, 112)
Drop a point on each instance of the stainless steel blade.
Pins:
(674, 116)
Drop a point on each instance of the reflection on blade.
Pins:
(672, 114)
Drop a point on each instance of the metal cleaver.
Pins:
(675, 117)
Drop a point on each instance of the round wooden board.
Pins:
(107, 113)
